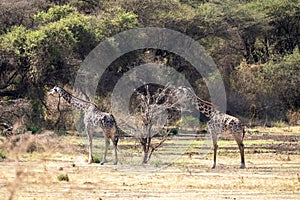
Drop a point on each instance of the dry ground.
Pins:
(272, 161)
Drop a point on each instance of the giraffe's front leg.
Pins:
(214, 137)
(90, 145)
(215, 146)
(105, 149)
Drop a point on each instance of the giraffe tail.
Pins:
(116, 140)
(244, 132)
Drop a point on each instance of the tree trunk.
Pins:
(146, 143)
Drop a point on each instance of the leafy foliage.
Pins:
(54, 14)
(53, 50)
(254, 43)
(271, 88)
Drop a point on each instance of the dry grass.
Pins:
(271, 173)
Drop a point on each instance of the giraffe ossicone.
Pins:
(93, 118)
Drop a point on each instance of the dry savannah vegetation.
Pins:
(47, 166)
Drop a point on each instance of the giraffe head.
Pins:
(54, 90)
(68, 97)
(178, 97)
(182, 92)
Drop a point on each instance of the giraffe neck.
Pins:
(204, 107)
(74, 101)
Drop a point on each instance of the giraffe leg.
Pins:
(239, 140)
(90, 145)
(241, 147)
(215, 146)
(105, 150)
(115, 143)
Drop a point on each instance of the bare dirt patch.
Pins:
(272, 172)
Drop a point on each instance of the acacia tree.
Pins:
(150, 119)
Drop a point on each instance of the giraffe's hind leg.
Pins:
(239, 140)
(241, 147)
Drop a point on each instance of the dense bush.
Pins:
(254, 44)
(270, 89)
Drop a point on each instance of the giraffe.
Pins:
(93, 118)
(218, 123)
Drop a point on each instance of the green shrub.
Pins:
(2, 154)
(174, 131)
(96, 159)
(33, 128)
(63, 177)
